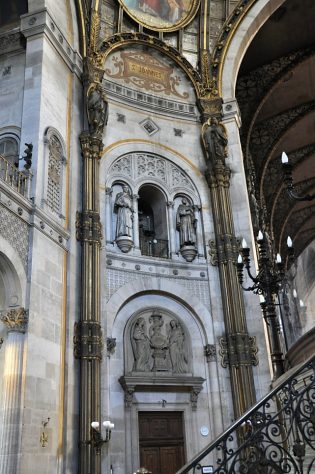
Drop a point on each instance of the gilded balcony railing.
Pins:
(276, 436)
(17, 179)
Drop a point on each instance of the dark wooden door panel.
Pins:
(150, 459)
(161, 439)
(170, 459)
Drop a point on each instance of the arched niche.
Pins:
(10, 286)
(153, 229)
(156, 340)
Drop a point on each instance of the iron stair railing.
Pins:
(277, 435)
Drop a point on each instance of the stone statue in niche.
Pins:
(97, 110)
(124, 210)
(159, 343)
(162, 349)
(186, 225)
(141, 347)
(176, 347)
(215, 140)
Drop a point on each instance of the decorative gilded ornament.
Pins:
(161, 15)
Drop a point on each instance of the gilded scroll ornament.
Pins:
(146, 72)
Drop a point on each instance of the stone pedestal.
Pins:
(124, 243)
(189, 252)
(15, 320)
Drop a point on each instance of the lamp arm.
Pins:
(296, 197)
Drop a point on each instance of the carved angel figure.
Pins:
(215, 140)
(97, 110)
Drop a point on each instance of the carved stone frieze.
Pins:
(11, 42)
(15, 319)
(16, 232)
(238, 349)
(141, 165)
(88, 340)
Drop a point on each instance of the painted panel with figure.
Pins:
(163, 15)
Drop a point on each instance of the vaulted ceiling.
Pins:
(276, 95)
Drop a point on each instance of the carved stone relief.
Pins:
(140, 165)
(15, 231)
(159, 344)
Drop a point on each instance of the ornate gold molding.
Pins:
(141, 18)
(15, 319)
(119, 40)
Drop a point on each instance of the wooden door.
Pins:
(161, 440)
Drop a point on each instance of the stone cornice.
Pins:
(41, 23)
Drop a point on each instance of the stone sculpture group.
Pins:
(157, 352)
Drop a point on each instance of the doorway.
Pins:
(161, 439)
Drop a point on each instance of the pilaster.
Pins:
(15, 320)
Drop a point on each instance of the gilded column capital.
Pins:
(15, 319)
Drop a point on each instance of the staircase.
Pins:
(277, 435)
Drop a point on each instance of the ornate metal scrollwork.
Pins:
(276, 436)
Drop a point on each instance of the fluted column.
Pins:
(15, 320)
(108, 210)
(171, 224)
(88, 339)
(238, 349)
(199, 236)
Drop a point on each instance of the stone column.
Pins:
(171, 224)
(238, 349)
(88, 339)
(136, 241)
(199, 235)
(108, 212)
(15, 320)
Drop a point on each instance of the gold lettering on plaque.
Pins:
(146, 72)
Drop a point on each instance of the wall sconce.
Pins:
(288, 180)
(44, 436)
(97, 440)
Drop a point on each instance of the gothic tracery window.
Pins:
(55, 170)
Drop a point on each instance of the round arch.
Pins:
(242, 37)
(126, 293)
(12, 277)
